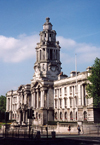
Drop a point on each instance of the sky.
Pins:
(77, 23)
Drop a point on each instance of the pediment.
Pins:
(37, 84)
(20, 88)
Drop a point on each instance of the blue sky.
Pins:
(77, 23)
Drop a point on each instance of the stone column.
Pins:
(19, 117)
(48, 53)
(23, 116)
(32, 100)
(63, 103)
(47, 100)
(41, 54)
(37, 98)
(25, 96)
(43, 36)
(10, 103)
(45, 54)
(26, 117)
(42, 98)
(57, 54)
(79, 99)
(82, 96)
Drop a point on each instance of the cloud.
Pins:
(22, 48)
(86, 53)
(16, 50)
(66, 43)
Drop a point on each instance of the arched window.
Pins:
(39, 116)
(66, 115)
(85, 116)
(55, 115)
(61, 115)
(71, 115)
(15, 116)
(36, 115)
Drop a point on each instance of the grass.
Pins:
(3, 123)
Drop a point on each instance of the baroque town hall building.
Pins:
(52, 95)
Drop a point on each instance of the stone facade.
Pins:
(52, 95)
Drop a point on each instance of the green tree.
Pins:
(2, 103)
(93, 88)
(2, 107)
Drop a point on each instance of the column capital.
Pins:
(43, 89)
(33, 91)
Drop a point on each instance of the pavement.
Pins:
(62, 138)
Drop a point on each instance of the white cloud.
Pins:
(16, 50)
(66, 43)
(85, 52)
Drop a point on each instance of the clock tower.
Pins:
(47, 65)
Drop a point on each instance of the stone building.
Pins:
(52, 95)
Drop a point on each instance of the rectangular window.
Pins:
(55, 103)
(76, 89)
(65, 90)
(60, 103)
(65, 102)
(71, 102)
(71, 90)
(8, 103)
(60, 91)
(55, 92)
(76, 101)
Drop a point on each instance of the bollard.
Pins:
(38, 135)
(53, 133)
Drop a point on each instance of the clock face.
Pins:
(53, 68)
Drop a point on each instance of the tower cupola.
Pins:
(47, 25)
(47, 65)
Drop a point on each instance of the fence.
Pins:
(27, 132)
(46, 131)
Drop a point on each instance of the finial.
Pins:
(47, 19)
